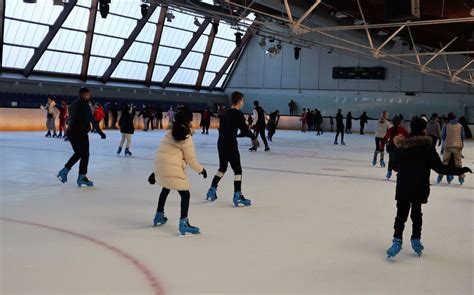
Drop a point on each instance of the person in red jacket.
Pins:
(396, 130)
(99, 113)
(63, 115)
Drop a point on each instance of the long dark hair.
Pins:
(182, 124)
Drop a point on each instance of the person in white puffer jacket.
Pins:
(176, 151)
(52, 113)
(380, 132)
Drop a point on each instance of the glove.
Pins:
(466, 170)
(255, 142)
(204, 173)
(103, 136)
(151, 179)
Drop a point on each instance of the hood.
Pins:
(411, 142)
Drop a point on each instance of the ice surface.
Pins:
(320, 223)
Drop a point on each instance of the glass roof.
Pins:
(26, 26)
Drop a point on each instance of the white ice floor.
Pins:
(320, 224)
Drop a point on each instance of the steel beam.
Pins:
(288, 11)
(423, 67)
(88, 42)
(369, 37)
(185, 52)
(156, 45)
(2, 28)
(455, 75)
(205, 59)
(308, 12)
(377, 51)
(414, 46)
(128, 42)
(53, 30)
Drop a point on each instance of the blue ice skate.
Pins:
(417, 246)
(62, 175)
(389, 174)
(449, 179)
(382, 163)
(461, 180)
(395, 248)
(374, 162)
(212, 194)
(185, 228)
(240, 199)
(439, 179)
(127, 152)
(83, 180)
(160, 219)
(119, 151)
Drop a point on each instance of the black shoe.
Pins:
(267, 149)
(253, 149)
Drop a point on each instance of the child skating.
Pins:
(127, 129)
(232, 121)
(175, 152)
(382, 128)
(414, 158)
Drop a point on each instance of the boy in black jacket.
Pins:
(414, 158)
(232, 121)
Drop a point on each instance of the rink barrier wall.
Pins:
(18, 119)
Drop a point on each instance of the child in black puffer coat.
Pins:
(414, 158)
(126, 128)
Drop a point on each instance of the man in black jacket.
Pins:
(259, 119)
(414, 158)
(339, 127)
(80, 120)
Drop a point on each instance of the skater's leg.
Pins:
(223, 162)
(128, 137)
(84, 154)
(162, 200)
(342, 135)
(237, 168)
(417, 219)
(403, 209)
(122, 141)
(457, 154)
(185, 196)
(76, 156)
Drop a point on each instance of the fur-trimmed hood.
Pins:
(411, 142)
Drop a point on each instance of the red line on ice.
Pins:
(148, 274)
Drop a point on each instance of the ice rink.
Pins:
(320, 223)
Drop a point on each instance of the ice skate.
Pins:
(389, 174)
(119, 151)
(253, 149)
(160, 219)
(267, 149)
(374, 162)
(395, 248)
(83, 180)
(212, 194)
(343, 143)
(461, 180)
(55, 135)
(48, 134)
(62, 175)
(127, 152)
(417, 246)
(382, 163)
(240, 199)
(439, 179)
(449, 179)
(335, 143)
(185, 228)
(60, 135)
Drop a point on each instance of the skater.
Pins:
(414, 158)
(380, 133)
(51, 115)
(453, 138)
(80, 120)
(170, 116)
(63, 115)
(272, 124)
(318, 120)
(433, 129)
(331, 122)
(304, 121)
(175, 152)
(147, 117)
(259, 117)
(349, 123)
(126, 128)
(339, 127)
(395, 131)
(159, 118)
(292, 107)
(227, 146)
(106, 114)
(250, 122)
(467, 130)
(364, 119)
(205, 120)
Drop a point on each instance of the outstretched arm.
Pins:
(440, 168)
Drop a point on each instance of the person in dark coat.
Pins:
(126, 128)
(349, 123)
(159, 118)
(339, 126)
(272, 124)
(467, 130)
(414, 158)
(318, 120)
(80, 120)
(260, 124)
(364, 119)
(206, 120)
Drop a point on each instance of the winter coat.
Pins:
(349, 122)
(171, 160)
(433, 129)
(413, 159)
(382, 129)
(453, 135)
(126, 123)
(51, 110)
(99, 113)
(80, 118)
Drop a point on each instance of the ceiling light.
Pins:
(196, 22)
(215, 26)
(104, 8)
(169, 16)
(144, 9)
(238, 39)
(29, 1)
(262, 42)
(297, 53)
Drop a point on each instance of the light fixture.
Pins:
(169, 16)
(29, 1)
(238, 39)
(144, 9)
(262, 42)
(297, 53)
(104, 8)
(196, 22)
(215, 26)
(330, 50)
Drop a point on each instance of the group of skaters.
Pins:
(412, 156)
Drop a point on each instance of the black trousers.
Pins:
(80, 146)
(106, 120)
(185, 196)
(261, 132)
(362, 126)
(229, 155)
(403, 210)
(391, 149)
(205, 126)
(271, 129)
(340, 130)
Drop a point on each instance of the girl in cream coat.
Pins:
(176, 151)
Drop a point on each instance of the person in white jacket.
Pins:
(52, 113)
(175, 152)
(382, 128)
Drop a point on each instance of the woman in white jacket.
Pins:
(175, 152)
(383, 126)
